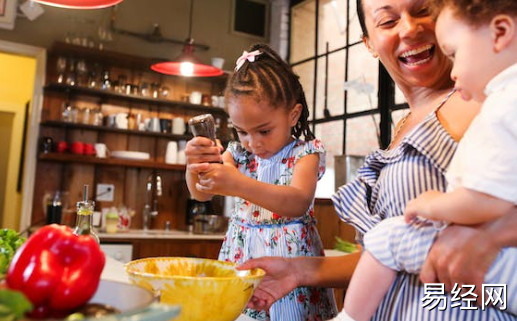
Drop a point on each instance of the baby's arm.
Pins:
(461, 206)
(292, 200)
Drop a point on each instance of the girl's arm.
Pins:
(199, 151)
(285, 274)
(292, 200)
(461, 206)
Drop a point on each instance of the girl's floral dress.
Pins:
(255, 231)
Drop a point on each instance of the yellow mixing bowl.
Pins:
(205, 289)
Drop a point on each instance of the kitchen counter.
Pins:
(158, 234)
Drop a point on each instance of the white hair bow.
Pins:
(249, 56)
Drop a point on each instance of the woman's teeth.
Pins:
(417, 56)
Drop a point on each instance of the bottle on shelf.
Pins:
(84, 224)
(54, 209)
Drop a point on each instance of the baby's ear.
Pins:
(502, 29)
(294, 114)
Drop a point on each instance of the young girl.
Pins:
(480, 36)
(272, 174)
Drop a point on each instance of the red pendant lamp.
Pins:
(80, 4)
(187, 64)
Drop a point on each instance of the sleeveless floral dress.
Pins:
(254, 231)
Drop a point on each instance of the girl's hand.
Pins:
(201, 150)
(222, 179)
(278, 281)
(420, 206)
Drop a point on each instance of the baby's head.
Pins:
(480, 36)
(266, 102)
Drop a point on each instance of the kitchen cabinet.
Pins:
(76, 77)
(188, 246)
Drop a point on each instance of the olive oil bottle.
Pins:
(83, 224)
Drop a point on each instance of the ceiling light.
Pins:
(80, 4)
(187, 64)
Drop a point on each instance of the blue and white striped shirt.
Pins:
(384, 185)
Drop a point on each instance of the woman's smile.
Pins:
(417, 56)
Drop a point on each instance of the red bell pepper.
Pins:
(56, 269)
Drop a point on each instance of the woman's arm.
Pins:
(285, 274)
(292, 200)
(461, 206)
(463, 254)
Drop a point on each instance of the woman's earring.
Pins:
(375, 55)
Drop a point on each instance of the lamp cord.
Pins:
(190, 21)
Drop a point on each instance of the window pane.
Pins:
(335, 77)
(306, 73)
(363, 74)
(362, 135)
(331, 135)
(332, 24)
(303, 28)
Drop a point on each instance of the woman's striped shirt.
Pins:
(384, 184)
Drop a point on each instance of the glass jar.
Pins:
(84, 220)
(111, 222)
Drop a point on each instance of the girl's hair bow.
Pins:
(249, 56)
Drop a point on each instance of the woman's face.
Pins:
(401, 34)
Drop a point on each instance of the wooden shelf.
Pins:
(82, 159)
(62, 124)
(105, 94)
(114, 58)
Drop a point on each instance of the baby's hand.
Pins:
(202, 150)
(420, 206)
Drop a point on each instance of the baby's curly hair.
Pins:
(475, 12)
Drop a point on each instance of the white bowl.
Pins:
(130, 154)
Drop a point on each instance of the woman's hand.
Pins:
(460, 255)
(280, 279)
(221, 179)
(421, 206)
(201, 150)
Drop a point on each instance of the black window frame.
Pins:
(386, 87)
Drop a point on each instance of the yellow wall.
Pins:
(16, 89)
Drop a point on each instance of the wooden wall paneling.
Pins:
(76, 176)
(172, 204)
(115, 141)
(181, 248)
(52, 106)
(330, 225)
(144, 144)
(135, 193)
(48, 176)
(111, 175)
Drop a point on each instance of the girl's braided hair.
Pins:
(270, 77)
